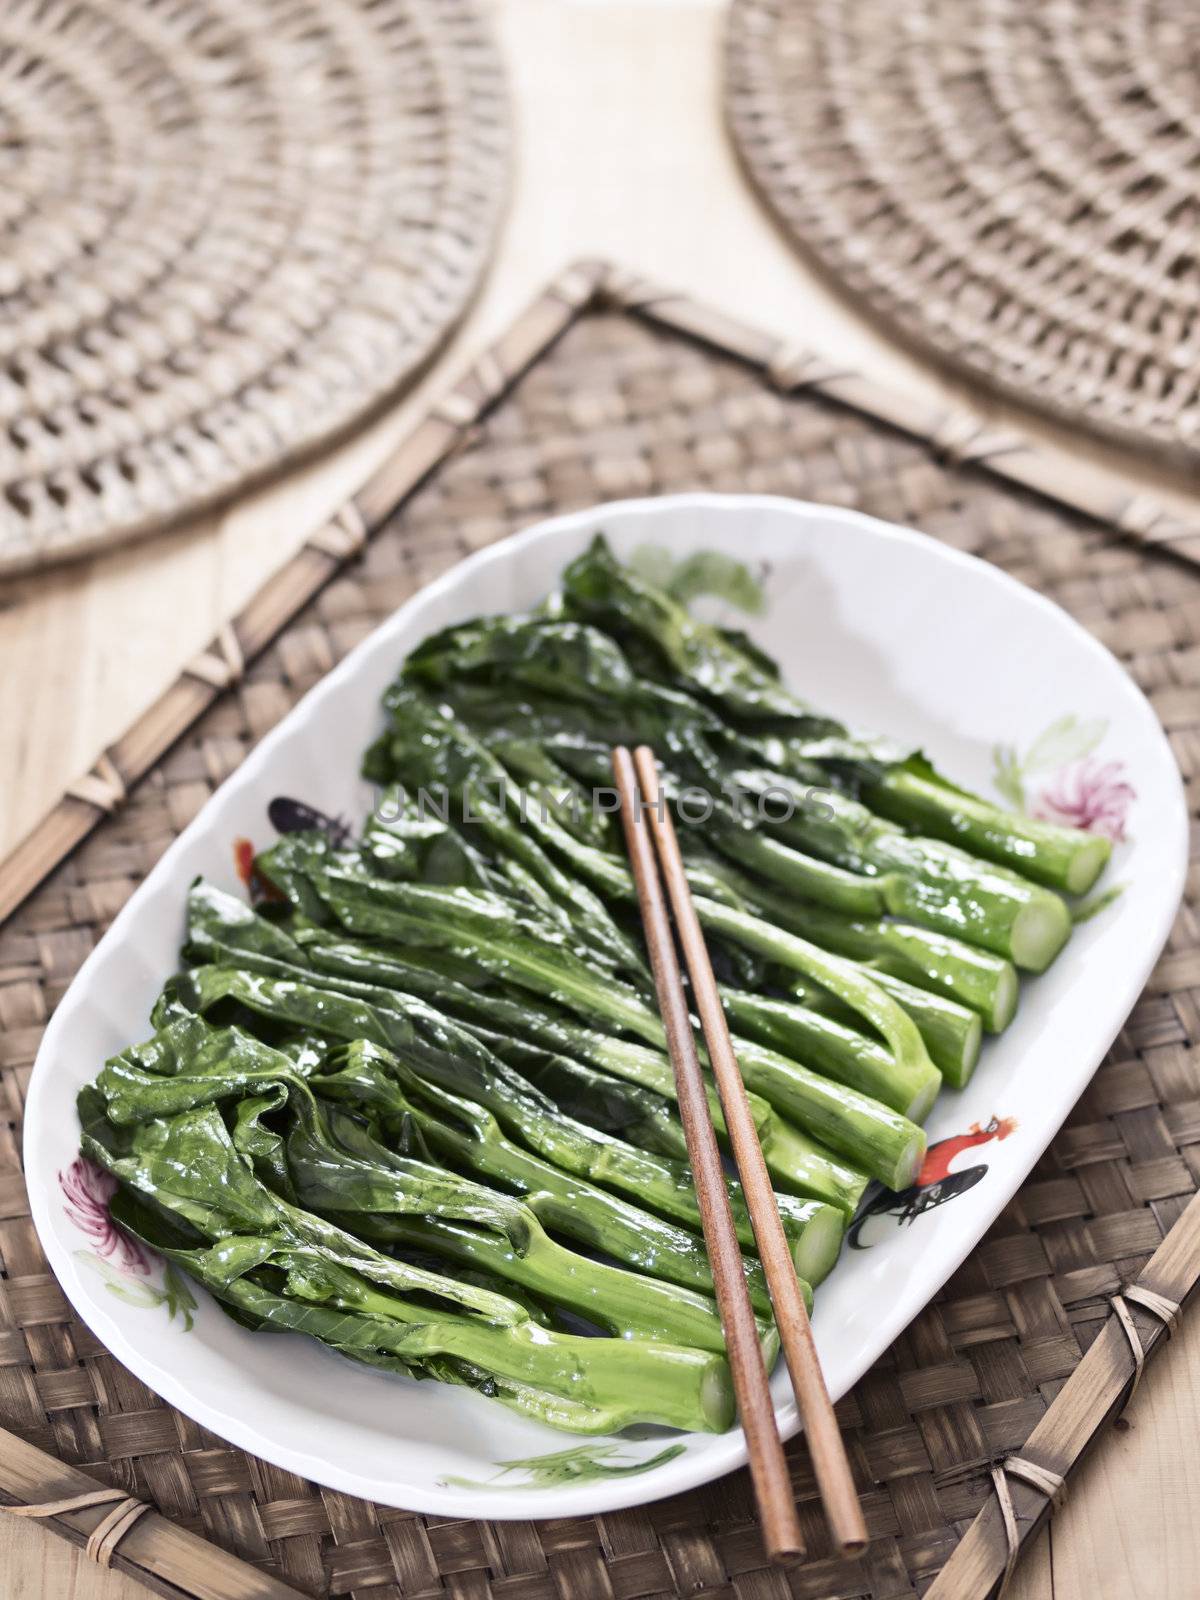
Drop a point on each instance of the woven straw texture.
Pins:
(619, 407)
(1010, 185)
(227, 229)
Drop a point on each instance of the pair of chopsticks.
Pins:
(768, 1468)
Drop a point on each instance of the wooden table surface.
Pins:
(621, 153)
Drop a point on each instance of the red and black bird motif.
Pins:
(936, 1183)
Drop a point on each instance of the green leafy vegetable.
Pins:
(420, 1106)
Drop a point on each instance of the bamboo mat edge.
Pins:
(1108, 1369)
(163, 1556)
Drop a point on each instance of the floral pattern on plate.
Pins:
(123, 1264)
(1079, 789)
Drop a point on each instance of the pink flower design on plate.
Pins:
(87, 1190)
(1093, 794)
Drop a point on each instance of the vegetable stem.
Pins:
(1061, 858)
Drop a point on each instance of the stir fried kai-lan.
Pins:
(416, 1103)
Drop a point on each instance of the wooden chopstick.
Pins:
(768, 1467)
(825, 1445)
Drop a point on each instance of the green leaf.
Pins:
(704, 572)
(181, 1302)
(1069, 739)
(643, 616)
(711, 572)
(1006, 775)
(584, 1464)
(132, 1291)
(654, 563)
(1085, 910)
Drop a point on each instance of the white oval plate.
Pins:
(884, 627)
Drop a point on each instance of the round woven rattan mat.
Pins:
(1010, 185)
(227, 229)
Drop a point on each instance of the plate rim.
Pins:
(728, 1451)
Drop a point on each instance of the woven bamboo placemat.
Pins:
(1011, 186)
(228, 229)
(610, 386)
